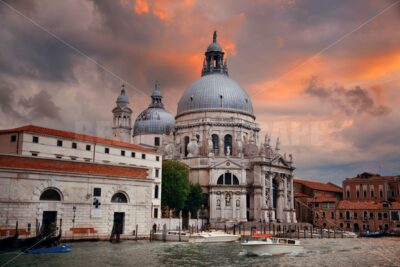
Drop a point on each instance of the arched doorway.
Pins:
(119, 217)
(356, 227)
(49, 217)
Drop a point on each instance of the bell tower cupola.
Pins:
(122, 118)
(214, 59)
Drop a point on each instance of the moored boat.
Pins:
(265, 244)
(63, 248)
(9, 242)
(172, 236)
(213, 237)
(372, 234)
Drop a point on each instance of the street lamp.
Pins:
(73, 218)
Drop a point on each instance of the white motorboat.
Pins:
(212, 237)
(172, 236)
(266, 245)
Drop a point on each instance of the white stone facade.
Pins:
(20, 192)
(217, 136)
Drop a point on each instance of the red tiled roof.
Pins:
(324, 199)
(365, 205)
(54, 165)
(299, 194)
(76, 136)
(371, 176)
(319, 186)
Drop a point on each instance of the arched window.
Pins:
(119, 198)
(227, 179)
(156, 191)
(50, 194)
(228, 142)
(186, 142)
(215, 141)
(347, 215)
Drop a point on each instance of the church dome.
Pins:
(215, 92)
(155, 119)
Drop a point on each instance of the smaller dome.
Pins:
(214, 47)
(154, 121)
(122, 98)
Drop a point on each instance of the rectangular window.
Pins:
(87, 160)
(35, 139)
(35, 154)
(340, 215)
(74, 145)
(332, 215)
(143, 156)
(379, 216)
(59, 156)
(107, 150)
(355, 215)
(157, 158)
(371, 215)
(13, 138)
(385, 215)
(395, 215)
(122, 152)
(155, 213)
(157, 172)
(59, 143)
(133, 154)
(88, 147)
(97, 192)
(73, 158)
(156, 141)
(323, 214)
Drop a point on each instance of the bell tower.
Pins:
(122, 121)
(214, 59)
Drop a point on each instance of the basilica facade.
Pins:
(216, 135)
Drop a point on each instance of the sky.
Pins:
(323, 75)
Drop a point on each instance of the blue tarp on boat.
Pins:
(57, 249)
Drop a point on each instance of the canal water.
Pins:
(318, 252)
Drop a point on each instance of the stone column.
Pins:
(222, 198)
(264, 205)
(285, 191)
(271, 195)
(243, 206)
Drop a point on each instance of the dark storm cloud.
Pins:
(351, 101)
(7, 101)
(41, 106)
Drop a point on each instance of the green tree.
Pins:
(194, 199)
(175, 184)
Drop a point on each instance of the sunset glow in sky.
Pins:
(323, 75)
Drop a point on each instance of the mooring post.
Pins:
(164, 234)
(311, 231)
(136, 232)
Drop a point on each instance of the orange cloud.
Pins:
(141, 7)
(377, 66)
